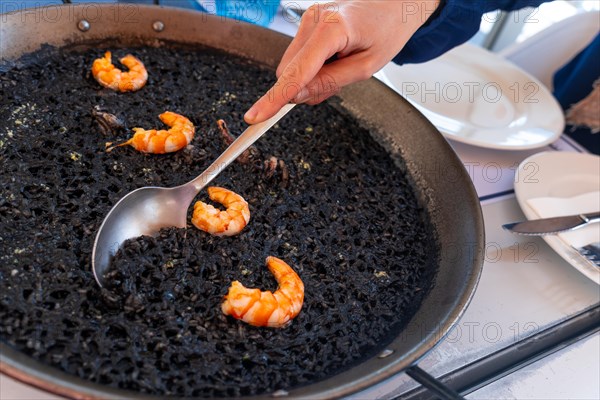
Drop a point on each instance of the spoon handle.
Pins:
(245, 140)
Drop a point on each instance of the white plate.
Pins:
(561, 175)
(477, 97)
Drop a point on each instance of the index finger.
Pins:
(294, 77)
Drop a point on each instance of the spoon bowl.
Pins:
(146, 210)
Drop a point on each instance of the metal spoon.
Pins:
(146, 210)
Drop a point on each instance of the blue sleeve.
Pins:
(573, 83)
(454, 22)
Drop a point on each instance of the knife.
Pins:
(552, 226)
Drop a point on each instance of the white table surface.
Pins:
(572, 373)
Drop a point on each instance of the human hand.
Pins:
(363, 35)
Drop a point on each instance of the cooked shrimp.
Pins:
(260, 308)
(113, 78)
(160, 142)
(222, 223)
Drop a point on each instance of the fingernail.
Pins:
(302, 96)
(250, 115)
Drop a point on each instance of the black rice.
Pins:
(336, 209)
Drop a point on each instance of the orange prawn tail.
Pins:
(110, 146)
(161, 141)
(139, 141)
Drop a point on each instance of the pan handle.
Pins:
(434, 385)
